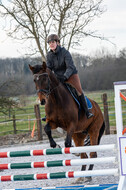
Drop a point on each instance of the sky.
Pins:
(112, 25)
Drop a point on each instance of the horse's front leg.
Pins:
(47, 129)
(70, 131)
(68, 140)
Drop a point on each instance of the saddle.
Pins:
(75, 96)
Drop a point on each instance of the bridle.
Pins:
(46, 92)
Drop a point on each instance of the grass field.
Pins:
(25, 115)
(97, 96)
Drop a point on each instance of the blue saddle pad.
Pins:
(89, 104)
(74, 94)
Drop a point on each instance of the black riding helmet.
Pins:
(53, 37)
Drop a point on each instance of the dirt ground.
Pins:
(23, 138)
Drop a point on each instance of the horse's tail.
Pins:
(101, 132)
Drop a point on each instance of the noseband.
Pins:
(47, 91)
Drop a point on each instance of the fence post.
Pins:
(14, 124)
(106, 115)
(39, 124)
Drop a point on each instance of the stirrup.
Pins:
(89, 115)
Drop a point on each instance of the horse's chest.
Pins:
(60, 121)
(58, 116)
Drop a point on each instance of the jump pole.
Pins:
(70, 150)
(71, 174)
(121, 138)
(58, 163)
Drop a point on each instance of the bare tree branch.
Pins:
(34, 20)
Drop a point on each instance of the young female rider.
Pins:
(60, 61)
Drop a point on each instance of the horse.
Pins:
(62, 111)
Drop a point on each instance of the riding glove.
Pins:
(63, 79)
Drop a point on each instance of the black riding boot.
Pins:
(84, 106)
(44, 118)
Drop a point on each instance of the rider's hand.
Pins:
(63, 79)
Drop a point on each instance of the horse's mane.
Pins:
(59, 94)
(52, 76)
(36, 69)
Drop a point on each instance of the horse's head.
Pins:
(42, 81)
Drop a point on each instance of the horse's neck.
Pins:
(53, 79)
(57, 94)
(58, 90)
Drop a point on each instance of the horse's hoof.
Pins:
(67, 144)
(53, 144)
(87, 179)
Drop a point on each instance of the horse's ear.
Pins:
(31, 68)
(44, 65)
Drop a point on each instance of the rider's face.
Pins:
(53, 45)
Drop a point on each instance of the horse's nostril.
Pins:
(43, 102)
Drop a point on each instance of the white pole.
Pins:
(122, 183)
(96, 173)
(118, 111)
(78, 162)
(118, 86)
(94, 148)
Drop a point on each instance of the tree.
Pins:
(122, 53)
(6, 103)
(34, 20)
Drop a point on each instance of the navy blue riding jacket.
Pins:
(61, 63)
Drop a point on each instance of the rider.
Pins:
(60, 61)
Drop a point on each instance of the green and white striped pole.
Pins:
(70, 150)
(70, 174)
(56, 163)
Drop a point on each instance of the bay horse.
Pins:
(62, 111)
